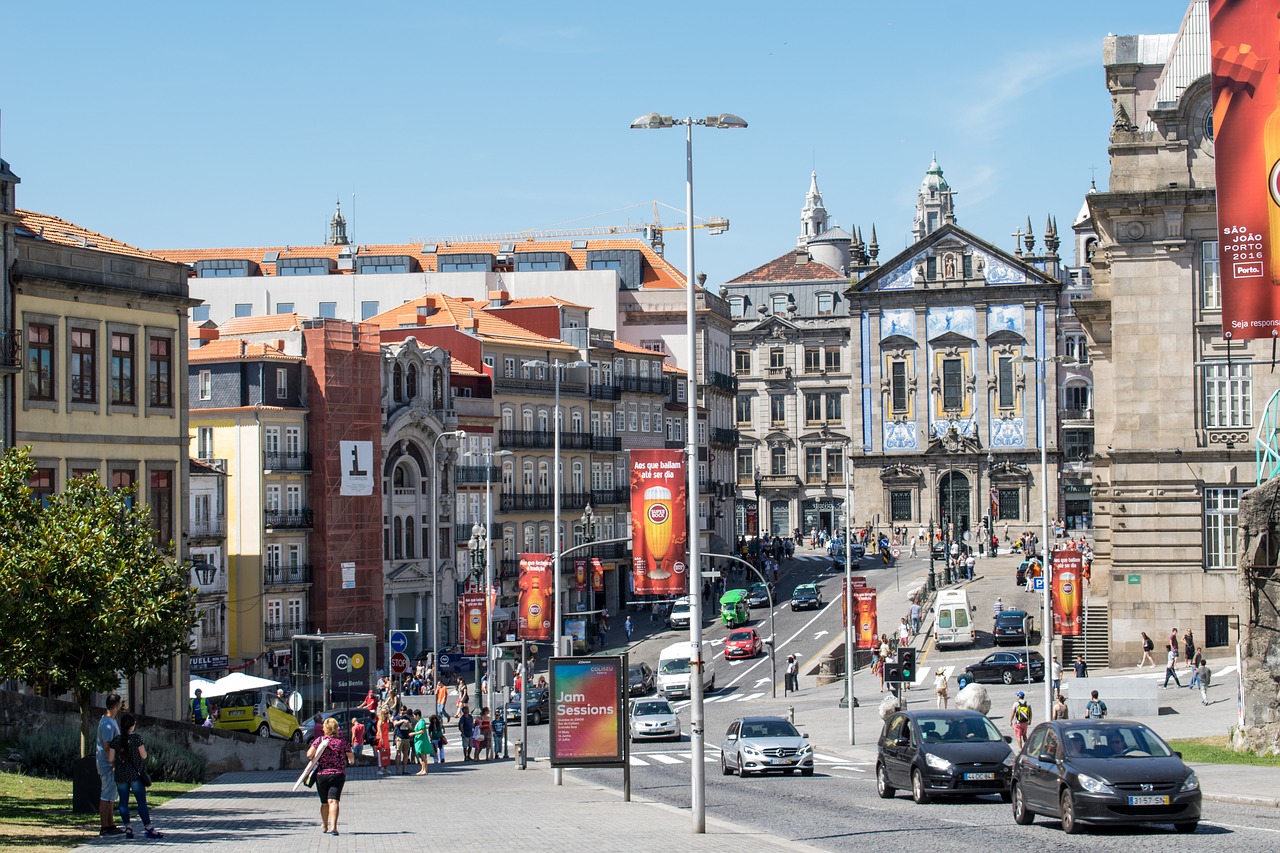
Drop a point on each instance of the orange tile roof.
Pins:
(657, 271)
(541, 302)
(671, 368)
(44, 226)
(230, 349)
(464, 314)
(262, 323)
(785, 268)
(627, 346)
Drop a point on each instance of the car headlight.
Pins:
(750, 750)
(806, 749)
(1009, 759)
(937, 762)
(1092, 785)
(1191, 783)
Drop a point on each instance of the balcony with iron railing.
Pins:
(10, 351)
(508, 569)
(300, 461)
(544, 439)
(673, 444)
(476, 474)
(463, 530)
(1078, 414)
(609, 497)
(285, 575)
(515, 502)
(606, 392)
(724, 437)
(641, 384)
(610, 551)
(606, 443)
(541, 387)
(207, 528)
(279, 632)
(724, 381)
(292, 519)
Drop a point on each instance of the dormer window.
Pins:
(826, 303)
(738, 307)
(778, 303)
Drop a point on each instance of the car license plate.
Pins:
(1148, 801)
(979, 777)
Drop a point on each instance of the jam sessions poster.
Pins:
(659, 522)
(1245, 61)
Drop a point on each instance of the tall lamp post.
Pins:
(483, 560)
(461, 435)
(850, 701)
(759, 505)
(697, 744)
(558, 367)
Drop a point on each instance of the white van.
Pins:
(673, 672)
(952, 619)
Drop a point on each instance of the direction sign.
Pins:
(399, 663)
(1037, 584)
(399, 642)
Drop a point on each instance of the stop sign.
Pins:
(399, 663)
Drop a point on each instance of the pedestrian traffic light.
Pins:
(907, 663)
(892, 670)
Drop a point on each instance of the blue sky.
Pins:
(171, 125)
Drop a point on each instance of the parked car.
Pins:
(1103, 771)
(938, 551)
(805, 596)
(1010, 628)
(654, 719)
(764, 745)
(758, 595)
(679, 615)
(1007, 667)
(858, 550)
(639, 679)
(257, 712)
(1021, 578)
(539, 706)
(312, 725)
(743, 643)
(942, 753)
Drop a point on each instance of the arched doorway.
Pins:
(953, 501)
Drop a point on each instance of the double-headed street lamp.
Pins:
(482, 558)
(461, 435)
(655, 121)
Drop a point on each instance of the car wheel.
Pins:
(1006, 677)
(1188, 827)
(297, 736)
(535, 717)
(1021, 814)
(883, 788)
(1067, 813)
(742, 771)
(264, 730)
(724, 767)
(918, 791)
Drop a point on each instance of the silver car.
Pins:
(765, 745)
(654, 719)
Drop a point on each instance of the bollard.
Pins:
(791, 714)
(520, 754)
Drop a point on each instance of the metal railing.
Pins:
(606, 443)
(284, 575)
(207, 527)
(1078, 414)
(724, 381)
(277, 632)
(10, 349)
(287, 461)
(288, 519)
(721, 437)
(608, 497)
(475, 474)
(539, 386)
(544, 439)
(640, 384)
(606, 392)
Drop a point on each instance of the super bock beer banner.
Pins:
(537, 589)
(864, 609)
(659, 522)
(471, 625)
(1067, 567)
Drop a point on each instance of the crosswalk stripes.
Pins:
(663, 759)
(712, 756)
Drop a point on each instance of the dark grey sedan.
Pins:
(942, 753)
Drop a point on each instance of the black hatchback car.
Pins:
(1010, 628)
(639, 679)
(539, 706)
(942, 753)
(1103, 771)
(1007, 667)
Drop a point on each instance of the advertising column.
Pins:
(659, 526)
(588, 725)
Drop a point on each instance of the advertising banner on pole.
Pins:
(537, 589)
(588, 713)
(856, 582)
(597, 575)
(475, 639)
(659, 522)
(864, 604)
(1245, 134)
(1067, 567)
(579, 574)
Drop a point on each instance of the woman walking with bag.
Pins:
(382, 741)
(435, 730)
(332, 754)
(1148, 646)
(131, 775)
(422, 746)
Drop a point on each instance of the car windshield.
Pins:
(961, 730)
(1127, 741)
(680, 607)
(740, 637)
(673, 666)
(651, 709)
(635, 672)
(768, 728)
(805, 592)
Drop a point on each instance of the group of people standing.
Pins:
(121, 762)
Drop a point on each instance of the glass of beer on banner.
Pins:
(657, 528)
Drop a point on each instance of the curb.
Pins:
(1242, 800)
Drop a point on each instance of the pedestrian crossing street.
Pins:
(676, 757)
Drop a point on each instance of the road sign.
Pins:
(1037, 584)
(399, 663)
(399, 642)
(895, 552)
(444, 660)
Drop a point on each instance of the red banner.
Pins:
(579, 574)
(1245, 65)
(856, 582)
(471, 627)
(659, 522)
(1067, 599)
(597, 575)
(537, 602)
(864, 609)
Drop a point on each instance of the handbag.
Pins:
(144, 777)
(444, 741)
(309, 780)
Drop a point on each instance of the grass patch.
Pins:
(36, 816)
(1217, 750)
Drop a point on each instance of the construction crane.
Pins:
(652, 232)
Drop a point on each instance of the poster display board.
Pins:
(1067, 600)
(537, 589)
(659, 522)
(588, 711)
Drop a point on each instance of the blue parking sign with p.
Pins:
(1037, 584)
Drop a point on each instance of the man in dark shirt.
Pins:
(467, 730)
(402, 726)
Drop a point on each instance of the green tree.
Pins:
(89, 597)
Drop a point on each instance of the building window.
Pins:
(952, 384)
(778, 303)
(199, 313)
(84, 371)
(777, 408)
(778, 461)
(1007, 391)
(284, 307)
(1077, 444)
(1210, 281)
(967, 265)
(161, 372)
(204, 384)
(244, 309)
(40, 361)
(282, 383)
(41, 484)
(834, 406)
(328, 310)
(1010, 504)
(1228, 395)
(744, 408)
(898, 386)
(826, 303)
(746, 463)
(1217, 631)
(900, 505)
(204, 442)
(1076, 400)
(1076, 348)
(738, 306)
(368, 309)
(833, 359)
(742, 361)
(160, 499)
(835, 463)
(122, 355)
(812, 407)
(812, 360)
(777, 357)
(813, 462)
(1221, 516)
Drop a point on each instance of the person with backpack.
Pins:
(1095, 708)
(1020, 718)
(1148, 646)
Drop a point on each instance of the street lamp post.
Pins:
(483, 562)
(1042, 368)
(850, 700)
(697, 742)
(933, 581)
(759, 505)
(461, 435)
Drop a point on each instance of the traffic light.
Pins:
(907, 663)
(892, 670)
(986, 522)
